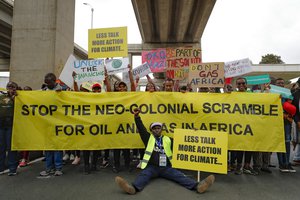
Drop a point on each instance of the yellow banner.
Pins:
(200, 150)
(108, 42)
(78, 120)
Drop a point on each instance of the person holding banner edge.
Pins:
(6, 125)
(121, 86)
(157, 162)
(241, 84)
(284, 158)
(54, 160)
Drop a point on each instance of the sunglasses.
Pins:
(243, 83)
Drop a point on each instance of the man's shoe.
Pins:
(2, 172)
(47, 172)
(238, 171)
(72, 157)
(267, 170)
(139, 166)
(291, 169)
(205, 184)
(12, 173)
(283, 169)
(58, 173)
(66, 157)
(256, 170)
(124, 185)
(116, 170)
(249, 170)
(23, 163)
(134, 159)
(76, 161)
(228, 168)
(233, 167)
(104, 164)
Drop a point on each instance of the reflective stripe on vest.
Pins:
(150, 146)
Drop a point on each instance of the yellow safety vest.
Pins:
(150, 146)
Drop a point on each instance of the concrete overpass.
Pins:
(172, 21)
(162, 23)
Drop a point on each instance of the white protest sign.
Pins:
(237, 68)
(66, 74)
(139, 71)
(114, 66)
(207, 75)
(86, 70)
(89, 70)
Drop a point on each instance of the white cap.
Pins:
(155, 124)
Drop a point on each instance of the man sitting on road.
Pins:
(157, 162)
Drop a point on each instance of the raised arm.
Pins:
(106, 81)
(137, 79)
(149, 79)
(140, 126)
(74, 82)
(132, 84)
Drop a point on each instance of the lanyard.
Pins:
(159, 143)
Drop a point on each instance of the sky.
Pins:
(236, 29)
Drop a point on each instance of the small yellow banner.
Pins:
(108, 42)
(200, 150)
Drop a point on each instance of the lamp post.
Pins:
(92, 12)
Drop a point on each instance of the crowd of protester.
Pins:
(239, 162)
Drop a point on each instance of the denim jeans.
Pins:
(54, 160)
(297, 153)
(5, 145)
(284, 158)
(169, 173)
(297, 140)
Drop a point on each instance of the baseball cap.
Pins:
(155, 124)
(96, 85)
(289, 108)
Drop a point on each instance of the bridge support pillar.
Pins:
(42, 39)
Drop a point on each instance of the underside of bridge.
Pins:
(170, 22)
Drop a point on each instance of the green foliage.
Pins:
(271, 59)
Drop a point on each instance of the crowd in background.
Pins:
(239, 162)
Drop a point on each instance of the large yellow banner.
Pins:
(48, 120)
(200, 150)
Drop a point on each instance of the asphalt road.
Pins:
(75, 185)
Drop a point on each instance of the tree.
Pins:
(271, 59)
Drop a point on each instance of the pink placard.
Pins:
(156, 59)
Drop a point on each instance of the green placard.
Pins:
(257, 80)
